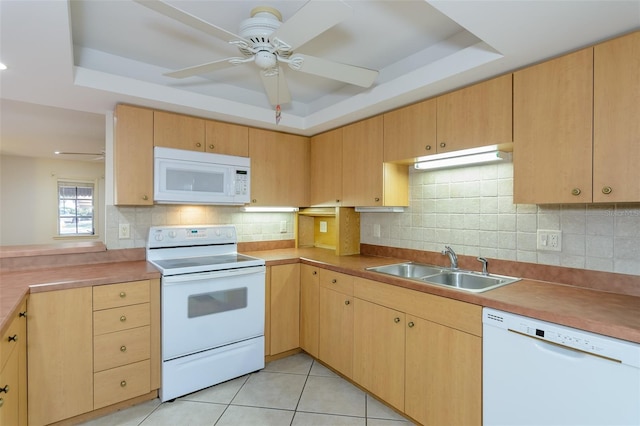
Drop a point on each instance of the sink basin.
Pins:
(462, 280)
(407, 270)
(469, 281)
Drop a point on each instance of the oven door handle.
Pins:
(177, 279)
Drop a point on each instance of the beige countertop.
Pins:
(607, 313)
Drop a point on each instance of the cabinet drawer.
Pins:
(114, 295)
(121, 348)
(12, 336)
(336, 281)
(122, 383)
(118, 319)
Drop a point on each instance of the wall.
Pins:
(471, 209)
(250, 226)
(28, 198)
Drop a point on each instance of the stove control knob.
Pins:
(229, 234)
(159, 237)
(172, 234)
(218, 232)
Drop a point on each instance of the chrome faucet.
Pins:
(452, 256)
(485, 263)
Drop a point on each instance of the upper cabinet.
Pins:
(133, 156)
(326, 169)
(178, 131)
(225, 138)
(279, 169)
(552, 123)
(616, 127)
(366, 180)
(410, 132)
(475, 116)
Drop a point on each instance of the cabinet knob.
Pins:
(607, 190)
(337, 201)
(123, 383)
(411, 324)
(144, 197)
(396, 320)
(1, 402)
(576, 191)
(443, 144)
(315, 273)
(428, 147)
(5, 389)
(123, 318)
(123, 348)
(346, 302)
(377, 199)
(212, 146)
(22, 314)
(254, 201)
(123, 294)
(333, 281)
(198, 144)
(13, 338)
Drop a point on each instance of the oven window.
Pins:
(217, 302)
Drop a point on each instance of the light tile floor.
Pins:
(291, 391)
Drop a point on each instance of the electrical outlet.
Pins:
(323, 226)
(376, 230)
(549, 240)
(283, 226)
(124, 231)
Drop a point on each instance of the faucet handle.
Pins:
(485, 263)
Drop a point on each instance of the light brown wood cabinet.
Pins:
(366, 179)
(133, 156)
(178, 131)
(279, 169)
(335, 345)
(419, 352)
(104, 343)
(410, 132)
(13, 371)
(284, 308)
(616, 127)
(475, 116)
(226, 138)
(309, 309)
(326, 169)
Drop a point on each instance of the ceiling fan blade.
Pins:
(351, 74)
(314, 18)
(276, 87)
(202, 69)
(188, 19)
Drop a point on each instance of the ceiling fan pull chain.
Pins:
(278, 113)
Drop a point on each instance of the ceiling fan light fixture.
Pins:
(265, 60)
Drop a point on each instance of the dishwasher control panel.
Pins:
(571, 338)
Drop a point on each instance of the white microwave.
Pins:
(193, 177)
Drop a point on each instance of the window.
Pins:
(75, 208)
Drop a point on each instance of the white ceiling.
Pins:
(86, 56)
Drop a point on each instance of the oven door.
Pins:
(206, 310)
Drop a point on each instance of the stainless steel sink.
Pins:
(407, 270)
(470, 281)
(459, 279)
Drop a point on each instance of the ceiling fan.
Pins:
(268, 42)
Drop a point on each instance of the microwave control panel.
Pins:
(242, 182)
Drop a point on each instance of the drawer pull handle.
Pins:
(123, 383)
(5, 389)
(346, 302)
(23, 314)
(123, 294)
(123, 318)
(396, 320)
(411, 324)
(13, 338)
(123, 348)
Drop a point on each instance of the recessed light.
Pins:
(2, 66)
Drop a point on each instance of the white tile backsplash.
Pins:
(472, 210)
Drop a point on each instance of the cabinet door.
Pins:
(326, 169)
(362, 155)
(475, 116)
(279, 169)
(225, 138)
(378, 351)
(178, 131)
(443, 374)
(410, 132)
(10, 388)
(285, 308)
(60, 360)
(552, 123)
(309, 309)
(336, 330)
(133, 156)
(616, 128)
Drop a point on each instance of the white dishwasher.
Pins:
(539, 373)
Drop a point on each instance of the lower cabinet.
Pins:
(13, 371)
(284, 308)
(309, 309)
(92, 347)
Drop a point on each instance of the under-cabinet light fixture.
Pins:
(269, 209)
(483, 155)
